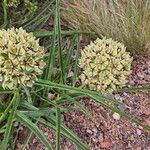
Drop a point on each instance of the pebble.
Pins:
(70, 74)
(16, 124)
(46, 134)
(51, 96)
(139, 132)
(117, 96)
(89, 131)
(116, 116)
(105, 144)
(94, 130)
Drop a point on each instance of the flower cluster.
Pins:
(105, 64)
(21, 58)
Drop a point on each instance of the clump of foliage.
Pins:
(29, 5)
(21, 58)
(105, 64)
(127, 21)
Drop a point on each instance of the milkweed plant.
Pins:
(21, 58)
(105, 65)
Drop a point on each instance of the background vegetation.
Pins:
(127, 21)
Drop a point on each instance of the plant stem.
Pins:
(58, 125)
(6, 111)
(58, 26)
(63, 32)
(7, 134)
(5, 10)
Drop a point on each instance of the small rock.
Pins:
(94, 130)
(100, 138)
(70, 74)
(34, 141)
(46, 134)
(138, 148)
(51, 96)
(148, 70)
(125, 94)
(139, 132)
(16, 124)
(131, 82)
(117, 96)
(140, 75)
(89, 131)
(116, 116)
(105, 144)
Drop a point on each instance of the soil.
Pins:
(104, 132)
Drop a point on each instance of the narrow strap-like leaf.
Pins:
(7, 133)
(28, 123)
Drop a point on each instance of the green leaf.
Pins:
(58, 32)
(5, 91)
(68, 56)
(7, 133)
(29, 98)
(65, 131)
(28, 138)
(37, 15)
(58, 125)
(133, 89)
(76, 69)
(46, 33)
(97, 97)
(28, 123)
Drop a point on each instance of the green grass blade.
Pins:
(40, 23)
(58, 32)
(68, 56)
(50, 62)
(58, 125)
(40, 34)
(24, 145)
(7, 133)
(81, 107)
(5, 113)
(45, 83)
(37, 15)
(65, 131)
(28, 106)
(96, 97)
(29, 98)
(28, 123)
(5, 91)
(5, 11)
(76, 69)
(133, 89)
(45, 99)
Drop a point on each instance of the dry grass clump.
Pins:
(127, 21)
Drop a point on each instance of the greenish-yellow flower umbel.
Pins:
(21, 58)
(105, 64)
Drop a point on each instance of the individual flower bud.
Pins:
(105, 65)
(21, 58)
